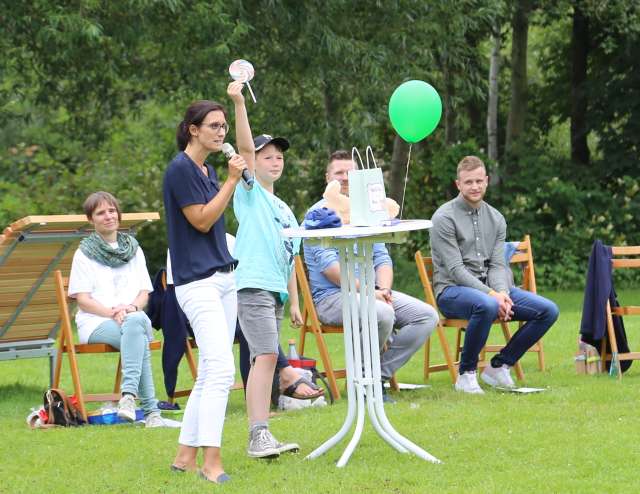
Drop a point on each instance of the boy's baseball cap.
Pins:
(264, 139)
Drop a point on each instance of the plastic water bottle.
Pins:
(614, 366)
(109, 412)
(293, 353)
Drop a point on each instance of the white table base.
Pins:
(364, 387)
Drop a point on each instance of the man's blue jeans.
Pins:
(480, 309)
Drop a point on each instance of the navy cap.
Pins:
(264, 139)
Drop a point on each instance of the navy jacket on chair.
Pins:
(599, 288)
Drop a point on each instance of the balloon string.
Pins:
(406, 179)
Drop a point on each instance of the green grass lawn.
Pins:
(579, 436)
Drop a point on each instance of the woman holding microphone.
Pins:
(202, 269)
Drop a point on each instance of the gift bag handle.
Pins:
(354, 152)
(368, 153)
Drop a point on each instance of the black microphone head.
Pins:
(228, 150)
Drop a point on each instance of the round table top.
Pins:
(357, 231)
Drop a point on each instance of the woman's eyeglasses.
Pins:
(217, 126)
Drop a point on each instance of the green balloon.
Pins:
(415, 109)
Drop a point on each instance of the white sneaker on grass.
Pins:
(498, 377)
(154, 420)
(287, 447)
(127, 408)
(467, 382)
(262, 444)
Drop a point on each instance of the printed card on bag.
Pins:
(376, 197)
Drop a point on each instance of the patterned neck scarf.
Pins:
(94, 247)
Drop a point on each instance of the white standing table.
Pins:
(364, 386)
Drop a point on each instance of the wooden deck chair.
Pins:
(624, 257)
(523, 258)
(66, 345)
(311, 324)
(525, 278)
(30, 250)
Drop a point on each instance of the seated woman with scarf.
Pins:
(110, 282)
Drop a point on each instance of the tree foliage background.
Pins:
(91, 93)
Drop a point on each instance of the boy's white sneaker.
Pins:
(467, 382)
(498, 377)
(262, 444)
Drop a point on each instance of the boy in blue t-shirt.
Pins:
(265, 279)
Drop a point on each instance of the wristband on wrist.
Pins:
(135, 307)
(492, 292)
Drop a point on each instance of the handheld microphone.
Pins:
(229, 152)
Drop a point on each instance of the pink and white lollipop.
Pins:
(242, 71)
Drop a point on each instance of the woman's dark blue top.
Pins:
(194, 255)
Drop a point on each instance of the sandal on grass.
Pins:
(291, 391)
(178, 469)
(221, 479)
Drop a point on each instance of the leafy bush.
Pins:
(563, 210)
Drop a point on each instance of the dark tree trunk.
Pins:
(518, 105)
(450, 134)
(492, 103)
(475, 113)
(579, 56)
(398, 168)
(475, 105)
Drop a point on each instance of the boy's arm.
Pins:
(294, 305)
(244, 139)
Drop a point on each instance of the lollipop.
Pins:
(242, 71)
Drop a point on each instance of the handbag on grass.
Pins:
(60, 410)
(367, 198)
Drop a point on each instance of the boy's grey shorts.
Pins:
(260, 313)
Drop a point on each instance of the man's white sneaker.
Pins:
(498, 377)
(127, 408)
(467, 382)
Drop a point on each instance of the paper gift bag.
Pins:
(367, 198)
